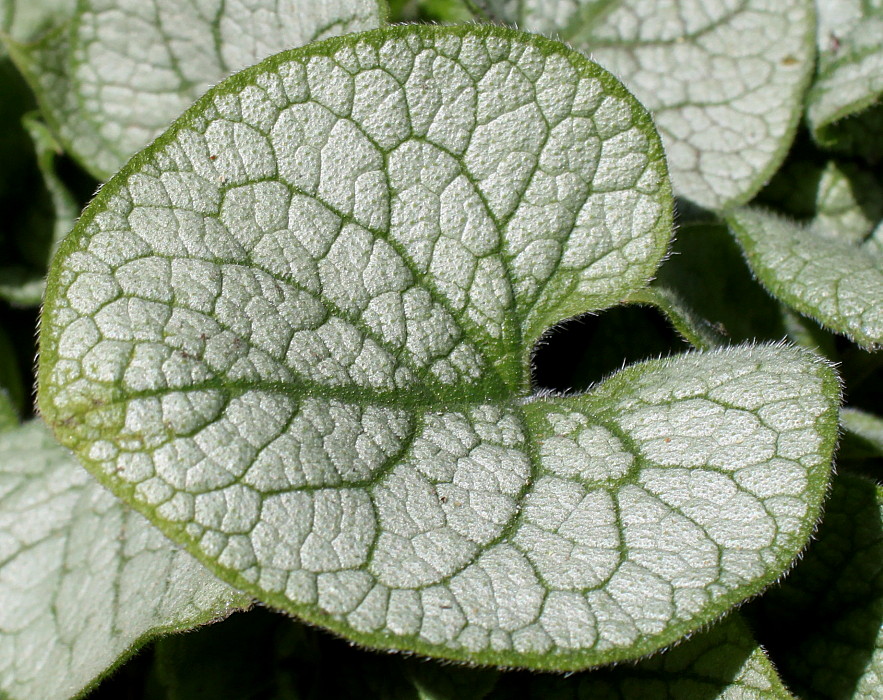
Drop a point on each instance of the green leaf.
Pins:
(837, 283)
(300, 343)
(849, 203)
(114, 77)
(84, 581)
(723, 663)
(835, 198)
(824, 626)
(27, 20)
(849, 82)
(725, 82)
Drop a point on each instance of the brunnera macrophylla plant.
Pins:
(296, 333)
(319, 384)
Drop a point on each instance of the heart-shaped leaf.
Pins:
(296, 331)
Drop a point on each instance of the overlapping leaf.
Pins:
(295, 331)
(115, 76)
(724, 79)
(838, 283)
(83, 580)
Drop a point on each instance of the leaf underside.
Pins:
(295, 333)
(84, 581)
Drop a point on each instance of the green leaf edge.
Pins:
(767, 279)
(794, 121)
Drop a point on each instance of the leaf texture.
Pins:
(849, 79)
(84, 581)
(114, 77)
(836, 282)
(724, 80)
(296, 333)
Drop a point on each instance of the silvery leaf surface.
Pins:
(296, 330)
(843, 106)
(724, 80)
(84, 580)
(836, 282)
(114, 77)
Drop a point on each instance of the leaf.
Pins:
(300, 343)
(725, 82)
(824, 626)
(8, 413)
(849, 203)
(84, 581)
(114, 77)
(724, 662)
(835, 198)
(27, 20)
(837, 283)
(849, 82)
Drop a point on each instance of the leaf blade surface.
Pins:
(327, 396)
(85, 581)
(111, 79)
(723, 80)
(836, 282)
